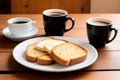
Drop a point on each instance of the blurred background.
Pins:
(72, 6)
(105, 6)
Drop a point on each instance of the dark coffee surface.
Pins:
(100, 23)
(55, 14)
(19, 22)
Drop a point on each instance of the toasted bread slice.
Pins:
(45, 59)
(47, 44)
(34, 55)
(68, 53)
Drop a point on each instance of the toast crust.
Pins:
(45, 60)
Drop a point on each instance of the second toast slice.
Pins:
(34, 55)
(68, 53)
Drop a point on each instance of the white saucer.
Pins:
(7, 34)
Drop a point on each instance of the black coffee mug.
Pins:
(99, 31)
(54, 21)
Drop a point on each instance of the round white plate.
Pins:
(19, 56)
(8, 34)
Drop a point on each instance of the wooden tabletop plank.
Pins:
(76, 75)
(80, 19)
(80, 34)
(107, 60)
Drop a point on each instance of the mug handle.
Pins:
(115, 30)
(72, 20)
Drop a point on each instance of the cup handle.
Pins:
(34, 23)
(115, 30)
(72, 20)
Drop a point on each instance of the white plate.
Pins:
(7, 34)
(19, 56)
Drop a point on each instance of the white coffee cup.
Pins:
(20, 26)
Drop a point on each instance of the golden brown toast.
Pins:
(68, 53)
(34, 55)
(51, 49)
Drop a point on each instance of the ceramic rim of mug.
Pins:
(12, 20)
(45, 12)
(90, 20)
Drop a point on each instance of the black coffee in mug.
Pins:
(99, 30)
(55, 14)
(20, 22)
(55, 22)
(100, 23)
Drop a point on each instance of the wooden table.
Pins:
(106, 67)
